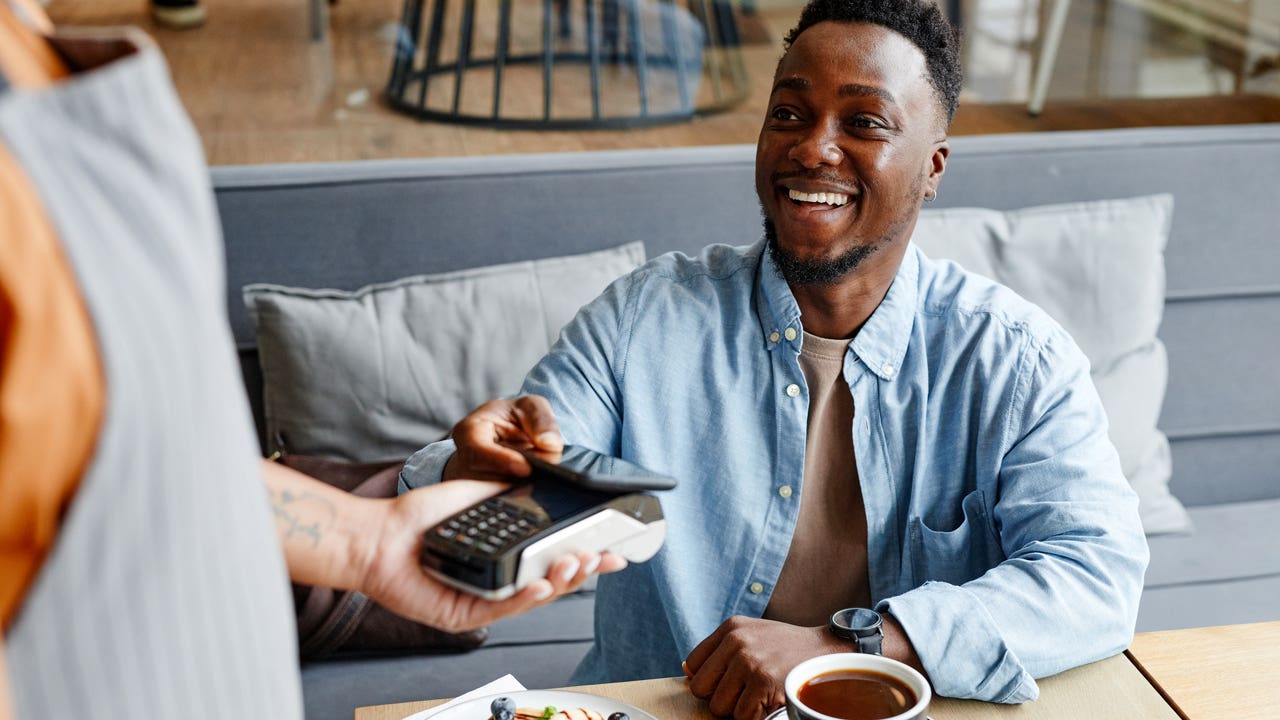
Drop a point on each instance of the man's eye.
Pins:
(784, 114)
(866, 122)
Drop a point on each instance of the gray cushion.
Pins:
(1226, 572)
(1230, 541)
(379, 372)
(1098, 269)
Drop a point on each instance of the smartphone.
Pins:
(582, 501)
(591, 470)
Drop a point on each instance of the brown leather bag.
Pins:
(332, 622)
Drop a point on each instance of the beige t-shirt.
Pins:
(826, 567)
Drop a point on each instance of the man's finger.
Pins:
(704, 650)
(534, 416)
(709, 674)
(479, 453)
(725, 698)
(492, 462)
(754, 704)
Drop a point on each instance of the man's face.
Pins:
(851, 142)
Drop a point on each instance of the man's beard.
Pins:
(798, 271)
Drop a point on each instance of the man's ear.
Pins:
(937, 166)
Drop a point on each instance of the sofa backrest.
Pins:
(346, 225)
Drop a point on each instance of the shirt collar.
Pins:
(775, 305)
(880, 344)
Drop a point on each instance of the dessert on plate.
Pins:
(504, 708)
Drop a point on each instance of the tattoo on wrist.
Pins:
(302, 514)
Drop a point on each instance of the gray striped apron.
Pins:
(165, 595)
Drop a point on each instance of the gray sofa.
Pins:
(347, 225)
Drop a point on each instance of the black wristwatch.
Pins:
(860, 625)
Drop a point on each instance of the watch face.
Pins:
(864, 619)
(857, 620)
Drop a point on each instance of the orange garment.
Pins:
(28, 60)
(52, 392)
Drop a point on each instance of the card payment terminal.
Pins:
(582, 502)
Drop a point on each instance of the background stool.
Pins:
(566, 64)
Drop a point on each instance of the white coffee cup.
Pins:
(813, 667)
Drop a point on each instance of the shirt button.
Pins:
(785, 491)
(774, 336)
(887, 369)
(793, 390)
(756, 588)
(790, 333)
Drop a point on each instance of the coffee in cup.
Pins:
(855, 686)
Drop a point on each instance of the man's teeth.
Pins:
(827, 198)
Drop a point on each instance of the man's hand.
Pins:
(740, 668)
(481, 437)
(395, 579)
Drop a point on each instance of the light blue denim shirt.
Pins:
(1002, 534)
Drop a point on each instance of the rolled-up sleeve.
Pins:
(578, 376)
(1067, 522)
(426, 466)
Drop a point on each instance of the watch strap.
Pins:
(870, 644)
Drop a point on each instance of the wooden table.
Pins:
(1112, 689)
(1231, 671)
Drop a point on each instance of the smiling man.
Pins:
(854, 426)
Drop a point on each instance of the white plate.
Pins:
(478, 709)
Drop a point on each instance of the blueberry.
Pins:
(619, 716)
(503, 708)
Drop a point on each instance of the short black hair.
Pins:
(920, 21)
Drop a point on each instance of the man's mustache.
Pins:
(816, 176)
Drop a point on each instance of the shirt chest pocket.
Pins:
(956, 550)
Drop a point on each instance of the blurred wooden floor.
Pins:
(259, 90)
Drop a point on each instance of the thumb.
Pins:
(535, 417)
